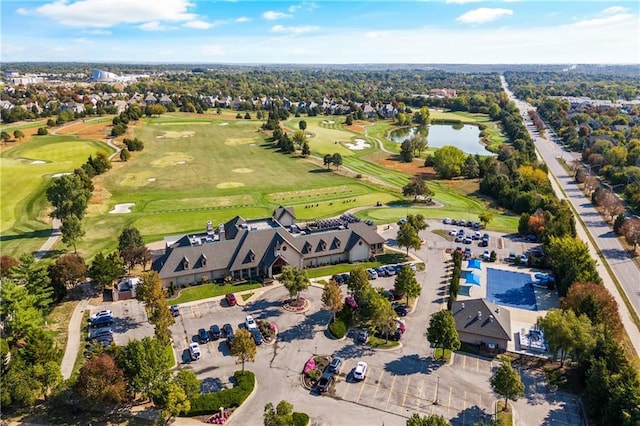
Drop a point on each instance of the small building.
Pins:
(125, 288)
(482, 323)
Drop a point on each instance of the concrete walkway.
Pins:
(55, 234)
(74, 339)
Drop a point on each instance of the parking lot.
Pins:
(130, 321)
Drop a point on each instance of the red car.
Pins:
(350, 302)
(231, 299)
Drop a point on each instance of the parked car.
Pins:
(360, 371)
(372, 274)
(531, 238)
(460, 239)
(486, 255)
(447, 221)
(476, 235)
(483, 243)
(401, 310)
(104, 341)
(102, 322)
(96, 334)
(231, 299)
(345, 277)
(468, 240)
(338, 278)
(462, 222)
(325, 381)
(390, 270)
(335, 364)
(227, 330)
(412, 266)
(382, 272)
(175, 310)
(215, 332)
(453, 232)
(511, 257)
(461, 232)
(194, 351)
(485, 236)
(257, 336)
(250, 322)
(402, 222)
(396, 295)
(350, 302)
(363, 336)
(203, 336)
(100, 314)
(524, 258)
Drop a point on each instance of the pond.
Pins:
(465, 137)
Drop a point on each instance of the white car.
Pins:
(524, 258)
(100, 314)
(361, 371)
(194, 351)
(453, 232)
(250, 322)
(447, 221)
(486, 255)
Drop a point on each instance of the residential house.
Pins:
(150, 99)
(255, 248)
(483, 324)
(443, 93)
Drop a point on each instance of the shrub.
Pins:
(227, 398)
(338, 328)
(42, 131)
(300, 419)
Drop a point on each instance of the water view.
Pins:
(465, 137)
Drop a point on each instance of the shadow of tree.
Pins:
(307, 328)
(472, 415)
(412, 364)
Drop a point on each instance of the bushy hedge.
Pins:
(300, 419)
(338, 328)
(211, 402)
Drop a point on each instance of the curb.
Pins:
(255, 389)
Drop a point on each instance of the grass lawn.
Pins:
(25, 172)
(438, 354)
(378, 343)
(206, 291)
(58, 322)
(384, 259)
(505, 417)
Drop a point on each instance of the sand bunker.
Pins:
(239, 141)
(175, 135)
(358, 145)
(122, 208)
(151, 179)
(181, 162)
(242, 170)
(57, 175)
(328, 122)
(38, 162)
(223, 124)
(229, 185)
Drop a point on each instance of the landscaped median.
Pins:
(206, 291)
(227, 399)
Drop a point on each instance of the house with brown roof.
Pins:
(255, 248)
(483, 324)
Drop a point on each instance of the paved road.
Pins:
(624, 269)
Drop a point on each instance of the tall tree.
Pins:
(380, 313)
(631, 232)
(358, 283)
(189, 382)
(72, 231)
(131, 247)
(65, 273)
(295, 281)
(594, 301)
(506, 382)
(36, 280)
(566, 333)
(336, 160)
(19, 307)
(302, 125)
(243, 347)
(448, 161)
(150, 292)
(171, 400)
(105, 269)
(280, 416)
(415, 188)
(442, 331)
(145, 365)
(571, 262)
(125, 155)
(306, 151)
(408, 237)
(407, 284)
(427, 420)
(6, 263)
(327, 160)
(486, 217)
(101, 381)
(471, 168)
(417, 221)
(18, 134)
(332, 297)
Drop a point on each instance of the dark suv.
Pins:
(325, 381)
(203, 336)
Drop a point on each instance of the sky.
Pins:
(321, 32)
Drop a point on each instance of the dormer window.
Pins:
(203, 260)
(307, 248)
(185, 263)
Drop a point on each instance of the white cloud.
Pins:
(462, 1)
(614, 9)
(483, 15)
(212, 50)
(22, 11)
(293, 30)
(198, 24)
(272, 15)
(609, 21)
(81, 40)
(308, 6)
(154, 26)
(98, 32)
(242, 19)
(102, 14)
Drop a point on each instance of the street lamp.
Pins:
(436, 402)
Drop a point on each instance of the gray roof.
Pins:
(478, 316)
(281, 211)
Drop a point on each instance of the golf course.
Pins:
(200, 167)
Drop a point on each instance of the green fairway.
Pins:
(197, 169)
(327, 136)
(26, 170)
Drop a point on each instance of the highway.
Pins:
(620, 262)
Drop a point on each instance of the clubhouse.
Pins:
(255, 248)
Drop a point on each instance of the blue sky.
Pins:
(339, 32)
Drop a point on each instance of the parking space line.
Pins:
(195, 311)
(464, 362)
(360, 393)
(390, 391)
(477, 365)
(450, 392)
(378, 386)
(406, 391)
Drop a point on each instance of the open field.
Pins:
(327, 135)
(26, 170)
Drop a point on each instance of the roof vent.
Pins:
(462, 305)
(498, 310)
(479, 315)
(491, 318)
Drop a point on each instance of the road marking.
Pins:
(196, 311)
(406, 390)
(361, 389)
(477, 365)
(390, 392)
(378, 386)
(450, 392)
(464, 362)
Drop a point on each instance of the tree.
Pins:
(295, 281)
(171, 400)
(306, 151)
(156, 109)
(358, 283)
(448, 161)
(6, 263)
(336, 159)
(380, 313)
(189, 383)
(571, 262)
(150, 292)
(406, 151)
(327, 159)
(18, 134)
(299, 138)
(471, 168)
(105, 269)
(486, 217)
(416, 187)
(282, 415)
(442, 331)
(302, 125)
(42, 131)
(631, 232)
(408, 237)
(332, 297)
(145, 365)
(131, 247)
(506, 382)
(243, 347)
(36, 280)
(567, 333)
(5, 136)
(125, 155)
(65, 273)
(101, 381)
(68, 196)
(20, 310)
(72, 231)
(348, 120)
(417, 221)
(594, 301)
(407, 284)
(427, 420)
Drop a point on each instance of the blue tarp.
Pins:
(474, 264)
(473, 279)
